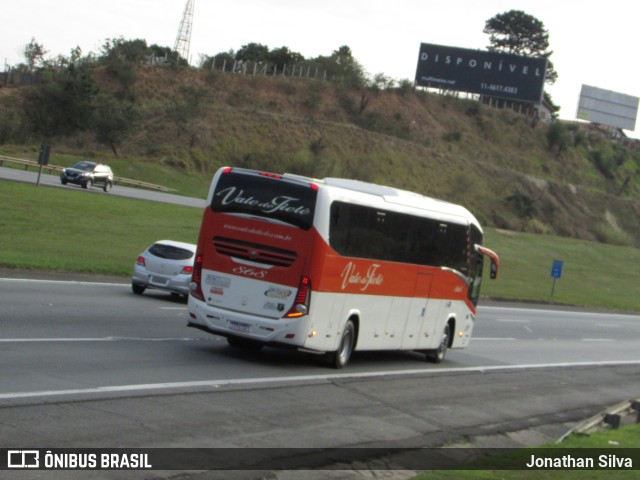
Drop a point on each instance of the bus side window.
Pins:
(335, 214)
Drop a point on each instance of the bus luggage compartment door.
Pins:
(417, 325)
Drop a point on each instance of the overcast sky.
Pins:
(594, 42)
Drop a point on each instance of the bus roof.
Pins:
(396, 196)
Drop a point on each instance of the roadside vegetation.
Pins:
(75, 230)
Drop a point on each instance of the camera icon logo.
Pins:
(23, 459)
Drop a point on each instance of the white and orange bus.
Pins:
(334, 265)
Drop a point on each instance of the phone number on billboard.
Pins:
(492, 87)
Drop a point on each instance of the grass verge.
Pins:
(594, 274)
(84, 231)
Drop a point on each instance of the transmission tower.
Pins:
(183, 39)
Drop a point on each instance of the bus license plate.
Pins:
(239, 327)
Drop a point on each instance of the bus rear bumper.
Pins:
(281, 331)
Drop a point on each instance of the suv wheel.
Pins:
(107, 186)
(87, 184)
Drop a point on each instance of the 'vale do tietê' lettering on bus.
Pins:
(351, 276)
(281, 203)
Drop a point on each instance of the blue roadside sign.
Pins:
(556, 268)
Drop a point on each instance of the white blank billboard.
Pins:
(608, 108)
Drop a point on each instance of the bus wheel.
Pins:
(437, 355)
(341, 357)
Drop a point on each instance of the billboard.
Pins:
(607, 108)
(494, 74)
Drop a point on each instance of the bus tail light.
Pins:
(195, 288)
(271, 175)
(303, 296)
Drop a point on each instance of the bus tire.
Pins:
(341, 357)
(437, 355)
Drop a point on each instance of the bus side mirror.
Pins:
(494, 270)
(493, 256)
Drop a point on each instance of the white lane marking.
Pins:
(528, 329)
(621, 316)
(64, 282)
(99, 339)
(302, 379)
(184, 339)
(598, 340)
(492, 339)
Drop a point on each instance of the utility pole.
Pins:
(183, 39)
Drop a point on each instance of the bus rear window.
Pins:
(268, 197)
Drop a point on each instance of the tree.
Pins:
(219, 60)
(557, 137)
(343, 67)
(522, 34)
(61, 104)
(34, 54)
(283, 56)
(76, 55)
(134, 51)
(186, 109)
(381, 81)
(254, 52)
(113, 120)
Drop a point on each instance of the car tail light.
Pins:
(140, 261)
(196, 279)
(187, 270)
(303, 296)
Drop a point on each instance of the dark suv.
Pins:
(87, 173)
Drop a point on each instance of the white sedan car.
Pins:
(165, 265)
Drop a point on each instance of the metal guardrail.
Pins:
(612, 416)
(52, 168)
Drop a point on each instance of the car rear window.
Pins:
(86, 166)
(170, 252)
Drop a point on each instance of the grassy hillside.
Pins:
(497, 162)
